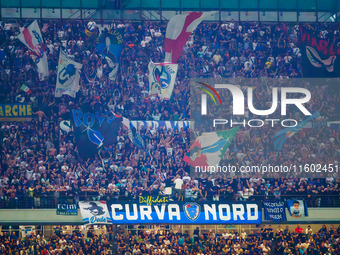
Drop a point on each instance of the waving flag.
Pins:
(320, 58)
(94, 212)
(134, 137)
(93, 131)
(68, 76)
(209, 148)
(26, 89)
(31, 37)
(178, 31)
(162, 79)
(110, 45)
(282, 136)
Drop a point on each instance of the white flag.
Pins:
(68, 76)
(114, 71)
(162, 79)
(31, 37)
(178, 30)
(95, 212)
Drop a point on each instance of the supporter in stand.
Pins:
(176, 242)
(40, 163)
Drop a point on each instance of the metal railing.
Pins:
(48, 202)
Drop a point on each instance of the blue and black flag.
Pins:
(94, 131)
(110, 45)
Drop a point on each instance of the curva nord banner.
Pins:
(185, 213)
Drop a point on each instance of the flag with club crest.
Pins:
(68, 76)
(209, 148)
(162, 79)
(110, 45)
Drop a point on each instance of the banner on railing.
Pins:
(67, 209)
(297, 208)
(274, 211)
(94, 212)
(160, 124)
(185, 213)
(15, 112)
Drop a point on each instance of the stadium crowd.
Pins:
(40, 161)
(265, 241)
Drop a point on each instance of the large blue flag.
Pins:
(281, 136)
(110, 45)
(92, 131)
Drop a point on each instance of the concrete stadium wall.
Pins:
(37, 216)
(49, 217)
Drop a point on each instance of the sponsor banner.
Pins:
(15, 112)
(185, 213)
(320, 58)
(274, 211)
(297, 208)
(68, 76)
(95, 212)
(160, 124)
(93, 130)
(67, 209)
(162, 79)
(31, 37)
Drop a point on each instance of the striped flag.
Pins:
(178, 31)
(26, 89)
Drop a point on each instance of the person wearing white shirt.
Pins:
(186, 177)
(157, 115)
(178, 187)
(243, 234)
(309, 231)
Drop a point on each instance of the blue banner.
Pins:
(110, 44)
(156, 124)
(185, 213)
(274, 211)
(297, 208)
